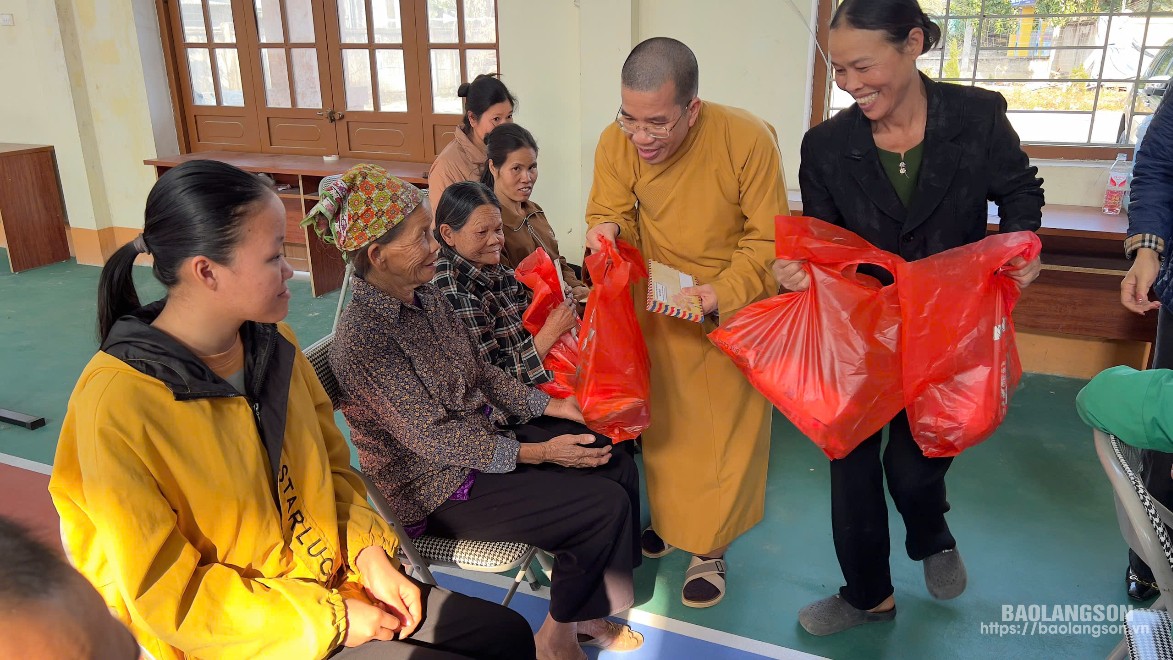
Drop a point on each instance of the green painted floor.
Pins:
(1032, 511)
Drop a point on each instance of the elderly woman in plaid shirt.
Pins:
(427, 416)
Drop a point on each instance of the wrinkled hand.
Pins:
(580, 293)
(1134, 288)
(561, 319)
(608, 230)
(567, 451)
(706, 293)
(791, 275)
(1023, 272)
(384, 582)
(567, 408)
(365, 622)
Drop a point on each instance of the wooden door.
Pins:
(461, 43)
(215, 80)
(377, 97)
(294, 108)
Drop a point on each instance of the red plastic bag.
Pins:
(828, 357)
(538, 272)
(960, 360)
(614, 379)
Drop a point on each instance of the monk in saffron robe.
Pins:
(696, 186)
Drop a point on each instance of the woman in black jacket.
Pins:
(909, 167)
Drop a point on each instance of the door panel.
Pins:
(219, 131)
(294, 107)
(442, 134)
(215, 80)
(458, 42)
(377, 94)
(315, 77)
(383, 139)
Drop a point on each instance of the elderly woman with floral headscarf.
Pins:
(428, 418)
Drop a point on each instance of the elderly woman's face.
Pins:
(878, 74)
(410, 259)
(480, 239)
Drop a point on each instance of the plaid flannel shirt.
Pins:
(490, 302)
(1138, 241)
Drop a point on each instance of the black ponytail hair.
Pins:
(499, 143)
(195, 209)
(459, 201)
(484, 92)
(894, 17)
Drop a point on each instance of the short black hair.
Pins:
(484, 92)
(30, 570)
(502, 141)
(459, 201)
(895, 18)
(658, 60)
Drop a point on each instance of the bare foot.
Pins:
(888, 604)
(598, 629)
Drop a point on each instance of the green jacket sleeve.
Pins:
(1135, 406)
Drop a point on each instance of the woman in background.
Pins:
(487, 104)
(512, 171)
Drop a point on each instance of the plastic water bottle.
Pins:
(1117, 185)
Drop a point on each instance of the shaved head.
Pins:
(659, 60)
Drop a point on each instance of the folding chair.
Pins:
(1143, 524)
(427, 550)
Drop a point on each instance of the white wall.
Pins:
(72, 76)
(753, 54)
(37, 102)
(540, 66)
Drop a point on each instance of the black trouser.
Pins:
(588, 518)
(859, 514)
(1155, 465)
(454, 626)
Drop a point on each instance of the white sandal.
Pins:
(709, 570)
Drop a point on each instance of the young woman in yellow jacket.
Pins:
(203, 486)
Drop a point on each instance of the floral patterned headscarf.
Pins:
(358, 207)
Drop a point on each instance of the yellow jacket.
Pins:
(169, 503)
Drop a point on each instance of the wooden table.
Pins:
(32, 209)
(298, 178)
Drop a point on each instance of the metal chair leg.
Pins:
(522, 572)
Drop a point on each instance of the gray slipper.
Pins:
(945, 574)
(833, 614)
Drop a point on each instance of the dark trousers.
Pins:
(1155, 465)
(454, 626)
(859, 514)
(588, 519)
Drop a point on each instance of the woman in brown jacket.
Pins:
(487, 103)
(511, 171)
